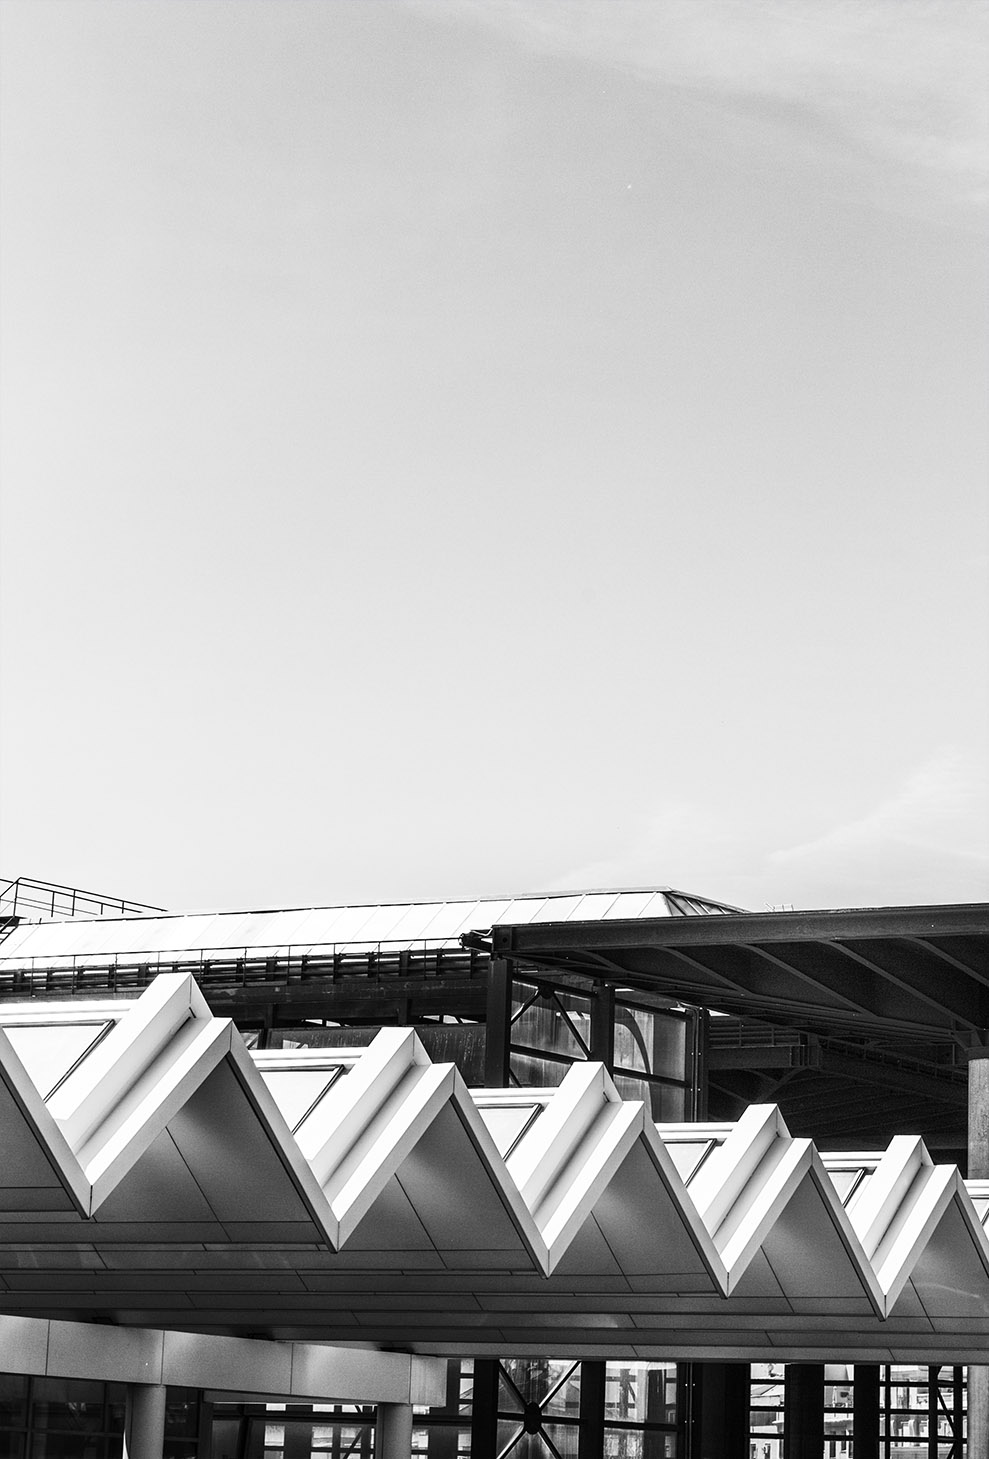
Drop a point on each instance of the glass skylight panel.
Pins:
(845, 1183)
(48, 1051)
(297, 1091)
(507, 1123)
(689, 1156)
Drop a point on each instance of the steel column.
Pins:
(803, 1411)
(498, 1024)
(484, 1410)
(866, 1410)
(590, 1444)
(718, 1426)
(603, 1025)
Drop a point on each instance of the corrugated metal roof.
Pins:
(304, 929)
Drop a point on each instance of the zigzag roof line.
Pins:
(166, 1131)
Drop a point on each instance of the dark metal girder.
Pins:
(961, 919)
(704, 959)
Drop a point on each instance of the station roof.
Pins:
(913, 970)
(305, 930)
(157, 1174)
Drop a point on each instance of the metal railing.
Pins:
(232, 968)
(26, 896)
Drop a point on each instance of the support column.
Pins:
(803, 1411)
(866, 1410)
(699, 1065)
(719, 1411)
(144, 1426)
(484, 1410)
(978, 1169)
(498, 1018)
(603, 1025)
(393, 1431)
(593, 1376)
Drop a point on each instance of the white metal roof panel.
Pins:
(636, 904)
(305, 929)
(164, 1151)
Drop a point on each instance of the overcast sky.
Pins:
(470, 446)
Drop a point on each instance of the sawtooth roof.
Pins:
(158, 1173)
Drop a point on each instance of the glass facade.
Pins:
(75, 1418)
(279, 1431)
(649, 1046)
(921, 1411)
(640, 1410)
(544, 1408)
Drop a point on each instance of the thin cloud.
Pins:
(929, 840)
(902, 81)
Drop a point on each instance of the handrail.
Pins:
(233, 967)
(60, 901)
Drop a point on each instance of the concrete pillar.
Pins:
(803, 1411)
(978, 1169)
(393, 1431)
(144, 1426)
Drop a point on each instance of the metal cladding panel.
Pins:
(314, 927)
(557, 909)
(413, 923)
(470, 916)
(523, 910)
(636, 904)
(393, 1217)
(592, 906)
